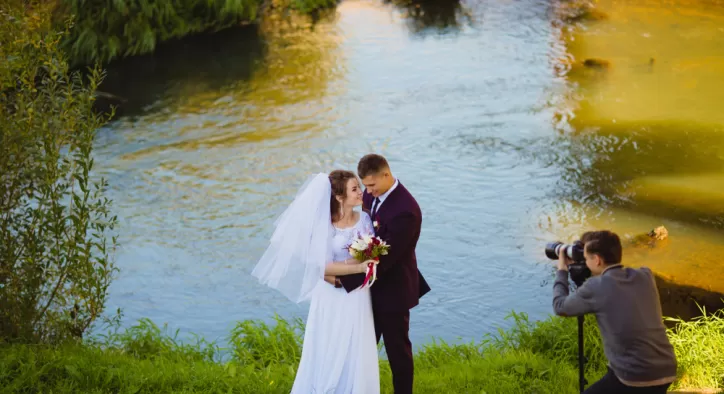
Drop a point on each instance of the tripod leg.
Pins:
(581, 358)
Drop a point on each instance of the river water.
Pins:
(467, 101)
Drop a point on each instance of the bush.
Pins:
(55, 266)
(106, 30)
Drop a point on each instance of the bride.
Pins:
(308, 248)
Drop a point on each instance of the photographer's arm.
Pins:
(576, 304)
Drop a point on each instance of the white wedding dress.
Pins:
(339, 355)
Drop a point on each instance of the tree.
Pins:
(55, 223)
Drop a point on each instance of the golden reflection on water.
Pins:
(690, 256)
(666, 62)
(649, 130)
(299, 60)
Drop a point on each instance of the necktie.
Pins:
(375, 206)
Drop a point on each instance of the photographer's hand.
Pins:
(563, 261)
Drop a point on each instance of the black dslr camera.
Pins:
(578, 269)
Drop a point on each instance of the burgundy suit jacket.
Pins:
(399, 283)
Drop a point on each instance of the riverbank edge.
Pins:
(526, 357)
(99, 34)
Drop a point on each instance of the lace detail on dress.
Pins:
(343, 237)
(367, 228)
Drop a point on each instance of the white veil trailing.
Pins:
(299, 248)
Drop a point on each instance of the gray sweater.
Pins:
(628, 311)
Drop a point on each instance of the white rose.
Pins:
(359, 245)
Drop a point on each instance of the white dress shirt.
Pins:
(383, 197)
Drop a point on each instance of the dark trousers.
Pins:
(609, 383)
(394, 327)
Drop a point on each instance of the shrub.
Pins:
(55, 264)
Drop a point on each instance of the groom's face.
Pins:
(377, 184)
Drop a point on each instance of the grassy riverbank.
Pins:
(528, 357)
(103, 31)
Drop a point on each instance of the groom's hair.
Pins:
(371, 164)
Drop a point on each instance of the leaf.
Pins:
(72, 371)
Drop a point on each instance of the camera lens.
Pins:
(552, 250)
(574, 251)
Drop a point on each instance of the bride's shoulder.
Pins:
(365, 219)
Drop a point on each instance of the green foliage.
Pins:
(54, 254)
(310, 6)
(109, 29)
(556, 339)
(147, 341)
(699, 346)
(529, 357)
(255, 343)
(105, 30)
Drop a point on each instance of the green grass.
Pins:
(699, 346)
(530, 357)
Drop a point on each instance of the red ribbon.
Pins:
(371, 272)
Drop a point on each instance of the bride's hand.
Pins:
(362, 268)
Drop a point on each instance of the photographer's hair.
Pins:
(371, 164)
(339, 180)
(605, 244)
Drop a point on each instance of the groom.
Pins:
(397, 220)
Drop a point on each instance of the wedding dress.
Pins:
(339, 352)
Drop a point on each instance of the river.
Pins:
(466, 100)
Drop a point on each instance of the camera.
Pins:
(578, 269)
(573, 251)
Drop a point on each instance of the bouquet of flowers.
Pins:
(368, 249)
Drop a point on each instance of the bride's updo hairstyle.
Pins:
(339, 180)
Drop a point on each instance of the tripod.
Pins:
(582, 382)
(579, 276)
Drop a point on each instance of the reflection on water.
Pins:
(181, 70)
(665, 61)
(671, 168)
(434, 16)
(204, 165)
(477, 120)
(644, 145)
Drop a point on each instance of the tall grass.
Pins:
(530, 357)
(699, 346)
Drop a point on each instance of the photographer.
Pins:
(628, 311)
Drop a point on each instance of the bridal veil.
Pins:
(299, 248)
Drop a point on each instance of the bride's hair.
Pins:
(339, 180)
